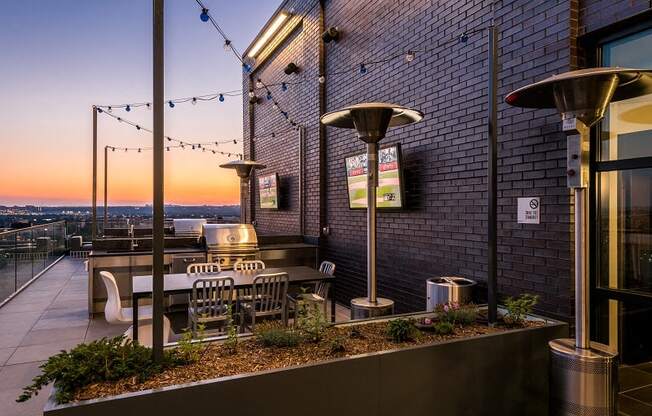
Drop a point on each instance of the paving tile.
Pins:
(630, 378)
(5, 353)
(644, 394)
(32, 407)
(73, 313)
(44, 336)
(647, 367)
(17, 306)
(40, 352)
(63, 322)
(19, 375)
(631, 407)
(12, 339)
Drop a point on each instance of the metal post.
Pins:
(372, 183)
(106, 192)
(582, 339)
(159, 213)
(243, 206)
(492, 163)
(302, 132)
(94, 230)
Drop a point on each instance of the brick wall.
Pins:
(596, 14)
(442, 230)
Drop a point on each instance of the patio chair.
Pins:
(244, 294)
(269, 294)
(115, 314)
(211, 300)
(318, 295)
(194, 268)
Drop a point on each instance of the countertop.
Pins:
(188, 250)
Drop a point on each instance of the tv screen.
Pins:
(268, 190)
(389, 193)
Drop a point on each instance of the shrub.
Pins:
(401, 330)
(107, 359)
(458, 314)
(311, 321)
(274, 335)
(188, 349)
(231, 343)
(443, 327)
(337, 345)
(518, 308)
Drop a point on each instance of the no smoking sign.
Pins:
(528, 210)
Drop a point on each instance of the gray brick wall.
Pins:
(442, 230)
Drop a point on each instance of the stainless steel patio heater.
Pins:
(584, 374)
(243, 168)
(371, 120)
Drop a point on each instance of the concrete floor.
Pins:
(49, 315)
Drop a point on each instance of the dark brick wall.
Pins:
(442, 230)
(596, 14)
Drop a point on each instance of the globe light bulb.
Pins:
(409, 57)
(109, 109)
(194, 101)
(363, 69)
(246, 67)
(322, 79)
(259, 83)
(252, 94)
(171, 104)
(269, 95)
(128, 108)
(284, 86)
(227, 45)
(204, 15)
(221, 98)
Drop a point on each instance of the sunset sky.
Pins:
(61, 57)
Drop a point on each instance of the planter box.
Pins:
(497, 374)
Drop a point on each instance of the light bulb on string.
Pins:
(168, 148)
(221, 98)
(322, 79)
(213, 151)
(409, 57)
(169, 139)
(137, 127)
(269, 95)
(252, 94)
(204, 15)
(259, 83)
(171, 104)
(284, 86)
(193, 147)
(99, 109)
(464, 37)
(148, 105)
(109, 109)
(363, 69)
(227, 45)
(194, 100)
(119, 119)
(138, 150)
(275, 106)
(235, 141)
(113, 149)
(125, 150)
(246, 67)
(128, 108)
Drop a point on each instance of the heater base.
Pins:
(582, 381)
(361, 308)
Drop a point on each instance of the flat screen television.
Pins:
(268, 191)
(389, 194)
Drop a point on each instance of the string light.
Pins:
(227, 45)
(204, 15)
(109, 109)
(148, 105)
(221, 98)
(128, 108)
(194, 101)
(252, 94)
(363, 69)
(259, 83)
(269, 95)
(409, 57)
(322, 79)
(171, 104)
(284, 86)
(464, 37)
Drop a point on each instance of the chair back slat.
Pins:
(247, 265)
(212, 297)
(270, 291)
(321, 287)
(202, 268)
(327, 267)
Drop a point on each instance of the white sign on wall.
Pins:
(528, 210)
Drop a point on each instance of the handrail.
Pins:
(32, 227)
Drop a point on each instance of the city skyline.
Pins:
(46, 114)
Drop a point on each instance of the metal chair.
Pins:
(269, 294)
(247, 265)
(319, 293)
(210, 302)
(202, 268)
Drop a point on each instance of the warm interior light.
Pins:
(271, 31)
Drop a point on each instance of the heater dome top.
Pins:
(344, 118)
(243, 167)
(631, 83)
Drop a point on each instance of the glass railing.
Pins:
(26, 252)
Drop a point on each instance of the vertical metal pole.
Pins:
(372, 183)
(302, 132)
(582, 339)
(243, 194)
(94, 230)
(106, 192)
(159, 213)
(492, 182)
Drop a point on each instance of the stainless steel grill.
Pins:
(188, 227)
(228, 243)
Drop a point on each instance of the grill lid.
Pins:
(219, 236)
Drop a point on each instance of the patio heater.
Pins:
(243, 168)
(371, 120)
(584, 374)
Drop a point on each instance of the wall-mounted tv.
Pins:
(268, 191)
(389, 194)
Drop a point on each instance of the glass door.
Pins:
(622, 230)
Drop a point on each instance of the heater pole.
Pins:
(372, 183)
(159, 212)
(492, 182)
(243, 193)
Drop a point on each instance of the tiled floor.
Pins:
(49, 315)
(635, 398)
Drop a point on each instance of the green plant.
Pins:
(443, 327)
(231, 342)
(107, 359)
(458, 314)
(274, 335)
(337, 345)
(189, 349)
(519, 308)
(401, 330)
(311, 321)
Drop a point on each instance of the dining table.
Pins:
(182, 283)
